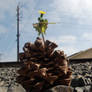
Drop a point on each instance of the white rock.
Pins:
(2, 83)
(3, 89)
(18, 88)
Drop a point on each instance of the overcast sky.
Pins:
(72, 33)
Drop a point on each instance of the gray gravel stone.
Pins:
(60, 88)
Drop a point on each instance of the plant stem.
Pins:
(43, 39)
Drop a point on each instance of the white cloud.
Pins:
(80, 9)
(69, 50)
(2, 16)
(53, 16)
(87, 36)
(64, 39)
(3, 29)
(9, 56)
(66, 43)
(8, 10)
(68, 39)
(9, 7)
(28, 15)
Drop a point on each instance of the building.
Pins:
(85, 55)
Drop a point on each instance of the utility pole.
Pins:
(18, 13)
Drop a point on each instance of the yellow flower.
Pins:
(42, 12)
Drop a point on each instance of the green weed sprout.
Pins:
(41, 26)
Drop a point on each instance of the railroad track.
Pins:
(10, 64)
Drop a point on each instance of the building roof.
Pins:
(86, 54)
